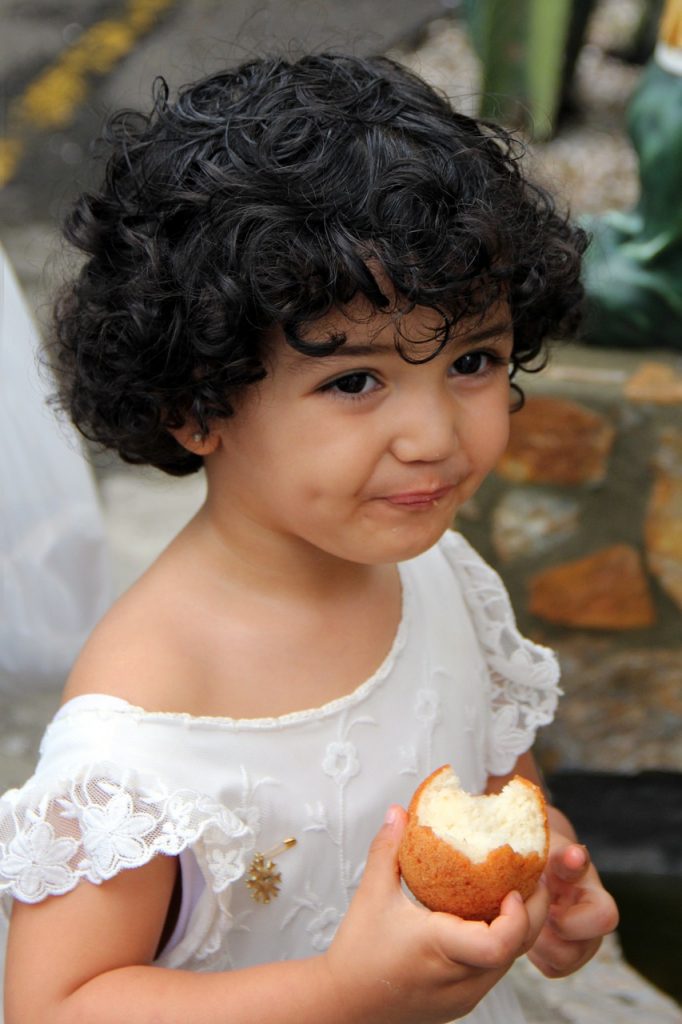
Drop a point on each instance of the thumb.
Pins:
(381, 869)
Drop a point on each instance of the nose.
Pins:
(425, 428)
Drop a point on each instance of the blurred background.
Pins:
(583, 518)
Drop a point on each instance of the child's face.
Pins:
(362, 455)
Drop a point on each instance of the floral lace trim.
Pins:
(524, 676)
(104, 820)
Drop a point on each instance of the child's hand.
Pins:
(581, 911)
(395, 961)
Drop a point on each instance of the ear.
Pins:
(190, 437)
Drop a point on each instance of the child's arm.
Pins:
(85, 958)
(581, 910)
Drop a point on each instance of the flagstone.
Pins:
(663, 522)
(605, 590)
(655, 382)
(555, 440)
(530, 521)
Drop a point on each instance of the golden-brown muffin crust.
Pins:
(444, 879)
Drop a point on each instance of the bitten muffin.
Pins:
(462, 854)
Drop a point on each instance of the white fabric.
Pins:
(117, 784)
(55, 577)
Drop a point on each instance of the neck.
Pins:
(249, 556)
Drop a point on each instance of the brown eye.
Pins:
(470, 363)
(353, 384)
(357, 383)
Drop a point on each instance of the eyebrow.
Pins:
(497, 330)
(370, 348)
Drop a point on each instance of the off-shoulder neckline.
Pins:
(95, 702)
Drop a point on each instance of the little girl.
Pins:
(316, 281)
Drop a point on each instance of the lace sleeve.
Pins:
(524, 676)
(103, 819)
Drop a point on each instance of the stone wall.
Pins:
(584, 522)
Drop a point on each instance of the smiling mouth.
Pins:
(419, 499)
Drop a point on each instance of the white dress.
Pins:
(117, 784)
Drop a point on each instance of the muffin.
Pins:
(462, 854)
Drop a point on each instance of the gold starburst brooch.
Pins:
(263, 878)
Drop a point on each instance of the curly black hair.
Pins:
(266, 195)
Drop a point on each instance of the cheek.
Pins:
(313, 472)
(504, 432)
(338, 460)
(489, 434)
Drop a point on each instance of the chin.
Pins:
(409, 545)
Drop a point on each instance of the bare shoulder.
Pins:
(143, 650)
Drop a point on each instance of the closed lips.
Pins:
(417, 497)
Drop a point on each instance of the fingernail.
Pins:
(515, 895)
(582, 850)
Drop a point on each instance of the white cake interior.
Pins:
(476, 825)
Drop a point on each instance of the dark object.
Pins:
(632, 825)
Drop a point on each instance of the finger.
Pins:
(537, 908)
(381, 874)
(556, 958)
(594, 914)
(570, 863)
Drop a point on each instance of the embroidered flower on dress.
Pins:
(322, 928)
(252, 809)
(38, 861)
(409, 759)
(226, 866)
(505, 739)
(251, 816)
(114, 833)
(317, 817)
(341, 762)
(180, 811)
(470, 717)
(427, 707)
